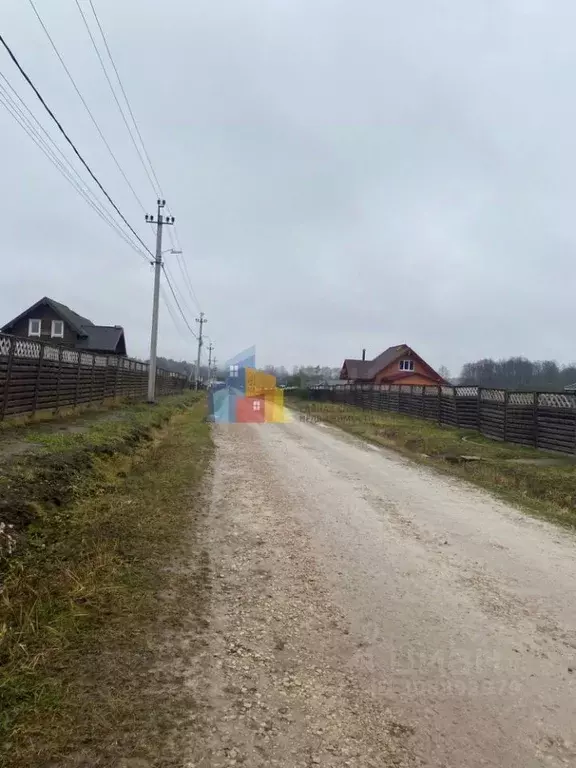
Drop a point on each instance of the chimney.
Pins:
(363, 354)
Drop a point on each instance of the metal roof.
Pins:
(104, 338)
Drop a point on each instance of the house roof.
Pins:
(368, 369)
(74, 320)
(357, 369)
(103, 338)
(385, 358)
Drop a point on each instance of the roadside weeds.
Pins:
(541, 483)
(101, 577)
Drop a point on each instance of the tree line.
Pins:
(519, 373)
(299, 376)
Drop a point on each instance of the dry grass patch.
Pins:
(97, 586)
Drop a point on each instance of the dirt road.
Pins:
(369, 612)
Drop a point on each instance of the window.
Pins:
(406, 365)
(234, 370)
(34, 327)
(57, 329)
(256, 405)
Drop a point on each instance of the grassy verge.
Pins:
(96, 584)
(542, 483)
(63, 415)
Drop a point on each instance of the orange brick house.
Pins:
(396, 365)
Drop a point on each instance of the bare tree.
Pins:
(444, 372)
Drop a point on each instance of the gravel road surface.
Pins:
(370, 612)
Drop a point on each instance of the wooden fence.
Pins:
(544, 420)
(36, 376)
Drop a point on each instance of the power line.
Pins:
(180, 292)
(102, 65)
(24, 116)
(126, 99)
(187, 281)
(184, 267)
(171, 312)
(166, 274)
(87, 108)
(173, 235)
(69, 172)
(71, 143)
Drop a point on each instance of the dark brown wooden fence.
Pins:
(36, 376)
(540, 419)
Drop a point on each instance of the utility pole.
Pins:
(210, 348)
(160, 221)
(200, 320)
(214, 368)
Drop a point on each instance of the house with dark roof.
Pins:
(48, 320)
(396, 365)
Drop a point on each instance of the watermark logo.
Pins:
(247, 396)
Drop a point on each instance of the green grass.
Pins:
(546, 491)
(63, 415)
(101, 577)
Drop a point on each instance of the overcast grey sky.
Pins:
(344, 174)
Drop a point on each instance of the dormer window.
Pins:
(57, 331)
(406, 365)
(34, 327)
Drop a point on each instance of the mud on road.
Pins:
(368, 612)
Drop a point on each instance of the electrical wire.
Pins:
(86, 107)
(171, 313)
(106, 75)
(20, 117)
(173, 235)
(187, 281)
(104, 38)
(71, 143)
(25, 118)
(181, 295)
(168, 280)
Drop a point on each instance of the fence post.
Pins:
(506, 400)
(105, 385)
(37, 383)
(535, 413)
(439, 405)
(479, 410)
(77, 379)
(116, 378)
(92, 379)
(56, 409)
(456, 413)
(8, 377)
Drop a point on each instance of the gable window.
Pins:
(57, 329)
(406, 365)
(234, 370)
(34, 327)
